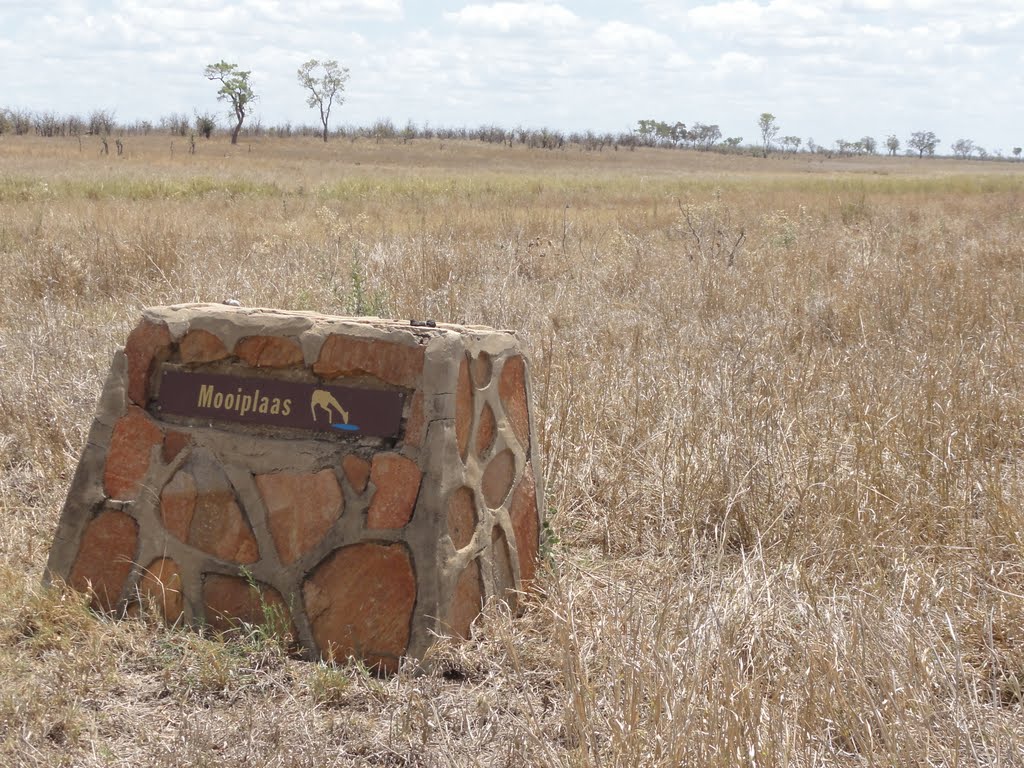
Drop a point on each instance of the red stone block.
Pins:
(357, 470)
(201, 346)
(135, 434)
(174, 443)
(105, 558)
(160, 587)
(269, 351)
(148, 344)
(230, 601)
(398, 484)
(178, 504)
(219, 528)
(463, 408)
(396, 364)
(485, 431)
(523, 512)
(301, 508)
(359, 601)
(498, 478)
(467, 601)
(462, 517)
(512, 390)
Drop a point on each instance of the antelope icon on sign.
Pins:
(329, 403)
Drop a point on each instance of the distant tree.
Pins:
(205, 124)
(101, 121)
(924, 142)
(75, 125)
(892, 144)
(46, 124)
(21, 120)
(712, 135)
(769, 130)
(869, 145)
(234, 88)
(383, 128)
(705, 136)
(733, 142)
(176, 124)
(664, 132)
(1016, 152)
(792, 143)
(647, 130)
(963, 148)
(679, 133)
(324, 88)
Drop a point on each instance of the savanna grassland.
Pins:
(780, 409)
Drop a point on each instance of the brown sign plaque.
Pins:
(311, 406)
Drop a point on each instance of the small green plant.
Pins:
(275, 627)
(329, 685)
(549, 539)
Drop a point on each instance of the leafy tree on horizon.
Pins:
(646, 128)
(892, 144)
(963, 148)
(769, 130)
(924, 142)
(792, 143)
(324, 90)
(705, 136)
(235, 88)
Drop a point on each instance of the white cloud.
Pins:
(728, 14)
(757, 18)
(514, 17)
(800, 9)
(679, 60)
(382, 9)
(736, 63)
(868, 5)
(618, 34)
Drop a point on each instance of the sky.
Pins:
(827, 69)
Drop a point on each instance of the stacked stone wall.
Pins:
(356, 545)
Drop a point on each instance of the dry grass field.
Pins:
(781, 406)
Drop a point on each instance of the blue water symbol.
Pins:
(346, 427)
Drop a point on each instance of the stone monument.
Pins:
(362, 484)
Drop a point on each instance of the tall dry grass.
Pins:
(780, 405)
